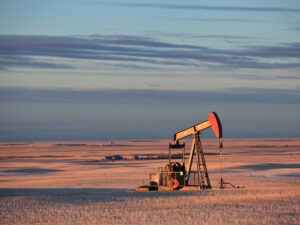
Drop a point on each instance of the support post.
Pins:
(199, 172)
(202, 161)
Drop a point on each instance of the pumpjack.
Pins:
(175, 175)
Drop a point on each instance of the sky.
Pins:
(104, 70)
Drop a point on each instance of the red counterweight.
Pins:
(215, 124)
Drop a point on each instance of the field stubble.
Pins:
(36, 189)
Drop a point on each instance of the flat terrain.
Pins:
(72, 183)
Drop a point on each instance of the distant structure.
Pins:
(113, 157)
(135, 157)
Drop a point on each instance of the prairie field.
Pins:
(72, 183)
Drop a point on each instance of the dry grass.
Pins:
(99, 193)
(104, 206)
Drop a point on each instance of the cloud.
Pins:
(114, 96)
(197, 36)
(203, 7)
(223, 20)
(11, 61)
(289, 50)
(119, 49)
(135, 41)
(260, 77)
(295, 28)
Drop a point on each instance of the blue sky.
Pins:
(139, 69)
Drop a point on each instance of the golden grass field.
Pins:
(68, 183)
